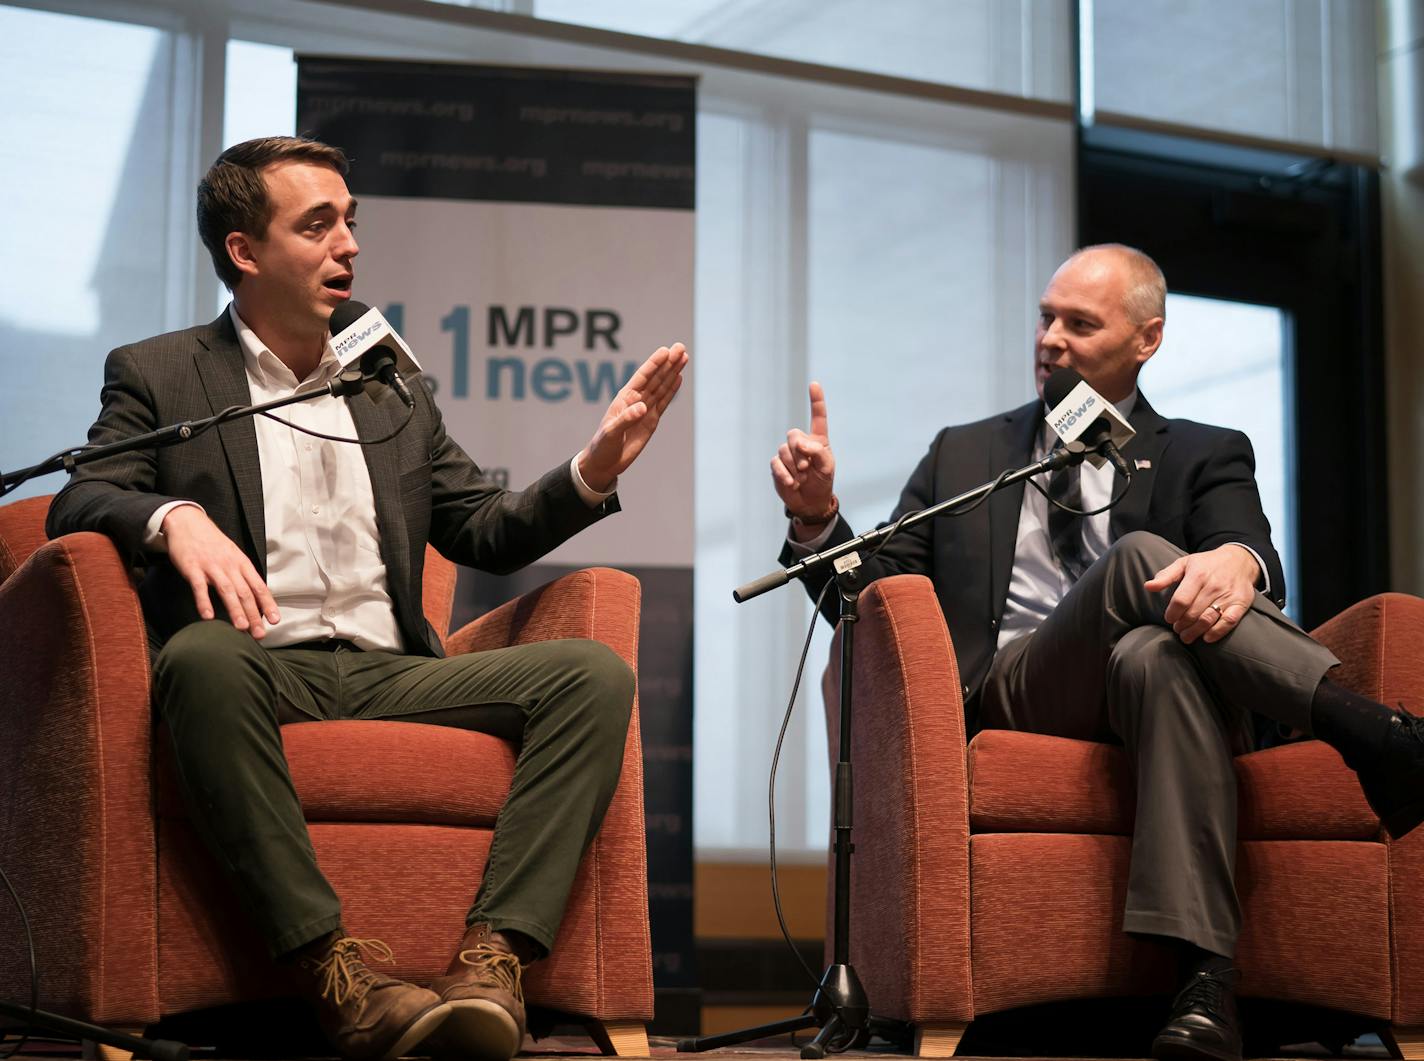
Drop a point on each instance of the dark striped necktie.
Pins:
(1065, 529)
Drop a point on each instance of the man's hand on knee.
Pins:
(205, 556)
(1214, 591)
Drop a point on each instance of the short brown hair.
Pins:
(232, 197)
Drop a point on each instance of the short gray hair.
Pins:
(1147, 288)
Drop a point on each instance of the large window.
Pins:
(85, 176)
(1011, 46)
(1228, 363)
(1300, 71)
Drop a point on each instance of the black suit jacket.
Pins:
(426, 489)
(1197, 489)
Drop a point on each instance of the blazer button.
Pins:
(966, 690)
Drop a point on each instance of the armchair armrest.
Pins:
(910, 872)
(77, 835)
(604, 605)
(597, 602)
(1380, 643)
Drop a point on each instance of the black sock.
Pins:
(1192, 959)
(1353, 725)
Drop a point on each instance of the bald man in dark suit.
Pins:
(1148, 626)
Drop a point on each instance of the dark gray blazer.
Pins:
(427, 490)
(1198, 491)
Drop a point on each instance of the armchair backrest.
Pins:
(22, 531)
(438, 591)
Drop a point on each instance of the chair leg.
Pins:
(620, 1038)
(938, 1038)
(93, 1051)
(1405, 1043)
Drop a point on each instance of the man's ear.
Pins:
(239, 252)
(1149, 338)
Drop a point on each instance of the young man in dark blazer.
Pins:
(1121, 626)
(282, 582)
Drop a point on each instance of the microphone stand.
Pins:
(840, 1007)
(348, 382)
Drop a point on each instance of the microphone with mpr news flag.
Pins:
(360, 332)
(1078, 414)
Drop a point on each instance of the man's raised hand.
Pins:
(804, 468)
(632, 418)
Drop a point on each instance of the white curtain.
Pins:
(86, 146)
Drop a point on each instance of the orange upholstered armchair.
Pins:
(992, 876)
(132, 921)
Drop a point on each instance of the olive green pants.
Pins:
(565, 705)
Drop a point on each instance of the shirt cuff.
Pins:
(153, 539)
(1264, 582)
(591, 497)
(816, 544)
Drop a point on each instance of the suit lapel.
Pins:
(376, 420)
(1144, 454)
(224, 378)
(1010, 446)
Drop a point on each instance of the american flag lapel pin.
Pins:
(1142, 463)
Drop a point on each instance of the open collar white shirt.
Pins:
(324, 566)
(1037, 582)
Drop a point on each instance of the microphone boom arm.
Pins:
(1062, 457)
(349, 382)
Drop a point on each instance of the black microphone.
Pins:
(1097, 437)
(380, 359)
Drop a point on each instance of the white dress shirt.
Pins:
(1037, 583)
(324, 566)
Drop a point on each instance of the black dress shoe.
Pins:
(1394, 786)
(1203, 1024)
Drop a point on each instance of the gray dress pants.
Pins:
(1106, 665)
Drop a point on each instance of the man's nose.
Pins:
(1051, 337)
(348, 247)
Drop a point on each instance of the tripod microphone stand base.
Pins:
(840, 1010)
(157, 1049)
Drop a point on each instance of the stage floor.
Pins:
(567, 1047)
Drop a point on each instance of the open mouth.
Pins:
(339, 284)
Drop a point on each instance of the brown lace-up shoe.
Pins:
(482, 988)
(367, 1016)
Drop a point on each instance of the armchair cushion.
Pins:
(363, 771)
(1077, 786)
(1032, 783)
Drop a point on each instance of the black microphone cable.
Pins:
(34, 968)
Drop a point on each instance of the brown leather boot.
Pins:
(483, 990)
(367, 1016)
